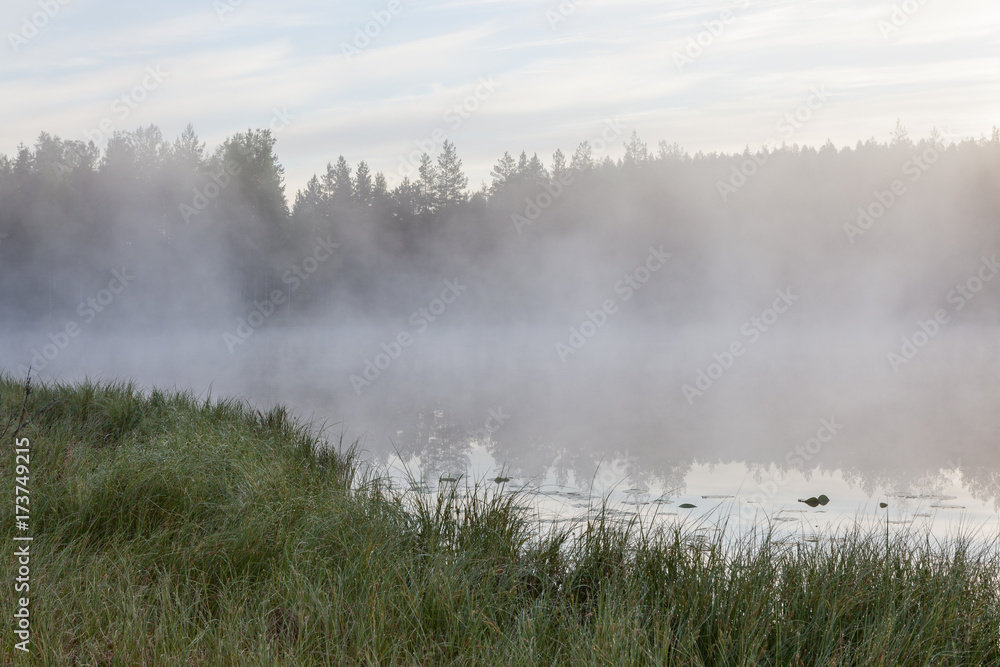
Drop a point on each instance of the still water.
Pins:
(804, 411)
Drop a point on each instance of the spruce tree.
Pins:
(337, 183)
(502, 174)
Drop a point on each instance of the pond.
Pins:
(805, 411)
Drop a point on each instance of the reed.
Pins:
(169, 530)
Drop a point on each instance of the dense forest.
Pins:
(211, 232)
(871, 240)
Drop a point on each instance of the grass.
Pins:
(173, 531)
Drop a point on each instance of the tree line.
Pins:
(71, 211)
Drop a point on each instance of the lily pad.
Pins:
(501, 480)
(823, 500)
(448, 479)
(811, 502)
(883, 505)
(687, 506)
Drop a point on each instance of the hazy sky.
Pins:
(558, 71)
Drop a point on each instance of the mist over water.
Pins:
(647, 325)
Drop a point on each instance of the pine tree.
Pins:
(406, 199)
(310, 197)
(187, 150)
(583, 159)
(522, 164)
(49, 154)
(900, 137)
(480, 198)
(149, 148)
(337, 185)
(380, 191)
(310, 205)
(427, 186)
(636, 151)
(23, 162)
(451, 183)
(119, 156)
(363, 185)
(936, 139)
(79, 156)
(536, 173)
(670, 151)
(558, 165)
(503, 173)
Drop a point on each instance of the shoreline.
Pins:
(168, 529)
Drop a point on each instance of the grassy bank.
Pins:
(172, 531)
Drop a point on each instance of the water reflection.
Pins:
(811, 411)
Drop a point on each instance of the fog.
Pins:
(830, 309)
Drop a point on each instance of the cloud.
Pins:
(607, 59)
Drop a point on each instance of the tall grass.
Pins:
(173, 531)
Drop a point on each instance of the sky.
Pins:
(382, 80)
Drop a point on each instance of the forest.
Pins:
(212, 232)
